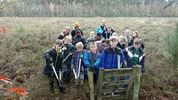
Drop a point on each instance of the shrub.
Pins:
(172, 43)
(20, 29)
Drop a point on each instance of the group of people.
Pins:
(73, 55)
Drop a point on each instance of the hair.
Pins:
(92, 34)
(67, 27)
(76, 24)
(113, 38)
(68, 37)
(79, 45)
(137, 41)
(114, 34)
(127, 31)
(121, 37)
(59, 42)
(136, 33)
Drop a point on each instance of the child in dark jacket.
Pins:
(77, 64)
(75, 29)
(112, 56)
(121, 42)
(136, 54)
(67, 51)
(92, 60)
(53, 56)
(79, 38)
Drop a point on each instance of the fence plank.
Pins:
(91, 85)
(100, 83)
(123, 88)
(120, 83)
(119, 90)
(115, 97)
(137, 73)
(116, 72)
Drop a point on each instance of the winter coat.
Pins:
(61, 36)
(102, 30)
(77, 39)
(122, 46)
(109, 58)
(93, 61)
(135, 57)
(66, 50)
(73, 33)
(52, 57)
(75, 61)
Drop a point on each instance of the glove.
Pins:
(64, 48)
(92, 68)
(72, 66)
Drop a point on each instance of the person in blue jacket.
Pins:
(112, 57)
(92, 60)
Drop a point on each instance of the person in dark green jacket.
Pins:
(53, 57)
(136, 54)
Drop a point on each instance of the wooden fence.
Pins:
(116, 84)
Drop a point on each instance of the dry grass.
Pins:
(21, 49)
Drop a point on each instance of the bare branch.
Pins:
(169, 4)
(12, 2)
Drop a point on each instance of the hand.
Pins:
(72, 66)
(93, 66)
(64, 48)
(91, 69)
(50, 60)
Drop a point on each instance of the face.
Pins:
(93, 48)
(103, 23)
(58, 46)
(121, 40)
(69, 40)
(78, 33)
(113, 43)
(136, 46)
(127, 33)
(79, 49)
(105, 44)
(66, 31)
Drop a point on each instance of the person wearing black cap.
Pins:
(79, 38)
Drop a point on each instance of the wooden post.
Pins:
(137, 73)
(100, 84)
(91, 85)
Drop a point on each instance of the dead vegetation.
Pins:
(21, 48)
